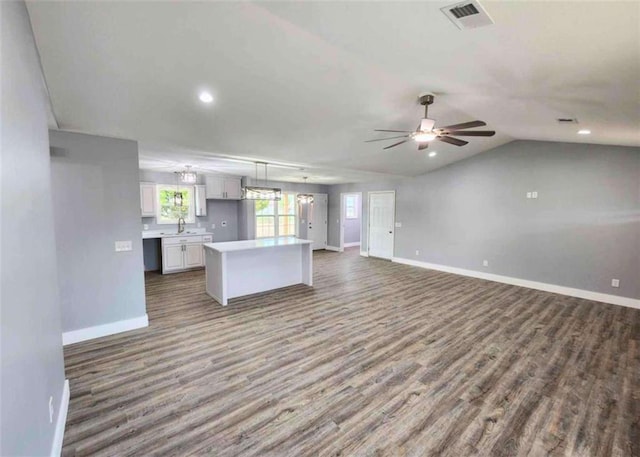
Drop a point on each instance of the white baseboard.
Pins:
(350, 245)
(56, 447)
(364, 253)
(89, 333)
(333, 248)
(579, 293)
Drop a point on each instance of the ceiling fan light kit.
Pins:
(426, 132)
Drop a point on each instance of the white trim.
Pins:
(364, 253)
(350, 245)
(556, 289)
(56, 446)
(333, 248)
(89, 333)
(393, 241)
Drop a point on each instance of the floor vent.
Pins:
(467, 15)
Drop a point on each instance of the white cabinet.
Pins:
(147, 199)
(172, 258)
(181, 253)
(232, 189)
(193, 255)
(200, 200)
(223, 188)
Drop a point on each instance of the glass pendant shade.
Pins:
(189, 177)
(305, 198)
(261, 193)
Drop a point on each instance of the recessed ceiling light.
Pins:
(433, 154)
(205, 97)
(584, 132)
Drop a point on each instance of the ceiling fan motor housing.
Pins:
(426, 99)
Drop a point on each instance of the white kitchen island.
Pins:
(237, 268)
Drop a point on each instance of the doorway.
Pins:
(350, 219)
(381, 224)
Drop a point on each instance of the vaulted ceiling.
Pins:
(305, 83)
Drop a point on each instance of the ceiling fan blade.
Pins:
(394, 131)
(475, 133)
(390, 138)
(464, 125)
(396, 144)
(451, 140)
(422, 146)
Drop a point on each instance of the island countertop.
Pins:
(244, 245)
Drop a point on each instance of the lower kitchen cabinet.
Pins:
(183, 253)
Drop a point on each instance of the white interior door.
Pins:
(381, 223)
(317, 221)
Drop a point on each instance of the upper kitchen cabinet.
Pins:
(223, 188)
(148, 199)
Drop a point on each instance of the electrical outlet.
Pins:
(615, 283)
(223, 224)
(398, 224)
(213, 226)
(145, 227)
(50, 410)
(417, 252)
(198, 225)
(122, 246)
(485, 263)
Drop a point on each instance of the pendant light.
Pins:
(187, 176)
(305, 198)
(261, 192)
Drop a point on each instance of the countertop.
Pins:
(171, 233)
(229, 246)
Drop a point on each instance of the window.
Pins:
(276, 218)
(351, 206)
(168, 212)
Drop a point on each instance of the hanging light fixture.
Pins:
(305, 198)
(187, 176)
(261, 192)
(177, 195)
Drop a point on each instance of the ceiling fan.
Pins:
(426, 133)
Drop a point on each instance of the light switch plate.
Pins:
(528, 194)
(213, 226)
(145, 227)
(122, 246)
(398, 224)
(534, 194)
(615, 283)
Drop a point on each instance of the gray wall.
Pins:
(582, 231)
(96, 199)
(352, 226)
(31, 358)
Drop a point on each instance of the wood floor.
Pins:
(378, 359)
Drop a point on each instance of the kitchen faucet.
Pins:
(180, 225)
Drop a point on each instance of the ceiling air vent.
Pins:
(467, 15)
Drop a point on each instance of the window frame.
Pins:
(354, 207)
(276, 217)
(191, 215)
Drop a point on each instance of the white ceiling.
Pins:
(305, 83)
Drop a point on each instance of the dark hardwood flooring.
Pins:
(378, 359)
